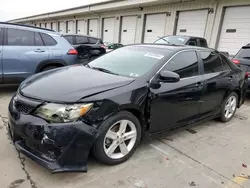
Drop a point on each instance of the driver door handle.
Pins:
(39, 50)
(230, 78)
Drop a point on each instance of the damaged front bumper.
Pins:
(59, 147)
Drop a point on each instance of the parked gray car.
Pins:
(26, 50)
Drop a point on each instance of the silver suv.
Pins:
(26, 50)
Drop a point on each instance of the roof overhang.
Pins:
(96, 8)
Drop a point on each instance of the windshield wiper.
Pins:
(104, 70)
(164, 39)
(87, 65)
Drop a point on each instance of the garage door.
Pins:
(93, 27)
(235, 31)
(108, 29)
(81, 27)
(128, 31)
(62, 27)
(155, 27)
(48, 25)
(192, 23)
(42, 25)
(54, 26)
(70, 27)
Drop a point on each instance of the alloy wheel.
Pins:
(230, 107)
(120, 139)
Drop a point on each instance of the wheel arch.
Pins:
(139, 114)
(237, 91)
(54, 62)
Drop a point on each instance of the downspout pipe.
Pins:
(99, 18)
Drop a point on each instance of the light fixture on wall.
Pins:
(210, 11)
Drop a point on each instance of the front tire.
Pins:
(119, 138)
(229, 107)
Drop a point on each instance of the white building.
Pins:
(224, 23)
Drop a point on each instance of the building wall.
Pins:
(214, 21)
(215, 34)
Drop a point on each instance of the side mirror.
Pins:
(169, 77)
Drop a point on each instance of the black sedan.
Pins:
(88, 47)
(58, 117)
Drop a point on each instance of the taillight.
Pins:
(247, 75)
(103, 46)
(236, 61)
(72, 52)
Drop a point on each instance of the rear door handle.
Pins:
(39, 50)
(199, 84)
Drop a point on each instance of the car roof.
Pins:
(170, 47)
(26, 27)
(81, 36)
(182, 36)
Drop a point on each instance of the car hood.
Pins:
(70, 84)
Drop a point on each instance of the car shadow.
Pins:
(8, 89)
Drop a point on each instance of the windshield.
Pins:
(176, 40)
(107, 43)
(132, 61)
(244, 53)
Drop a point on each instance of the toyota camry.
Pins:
(57, 118)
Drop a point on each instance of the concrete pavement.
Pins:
(207, 155)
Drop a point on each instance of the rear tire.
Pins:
(47, 68)
(119, 138)
(229, 107)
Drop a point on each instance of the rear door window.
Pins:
(185, 64)
(192, 42)
(38, 40)
(19, 37)
(70, 39)
(203, 43)
(81, 40)
(92, 40)
(225, 65)
(211, 62)
(227, 61)
(48, 40)
(1, 36)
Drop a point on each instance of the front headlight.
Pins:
(59, 113)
